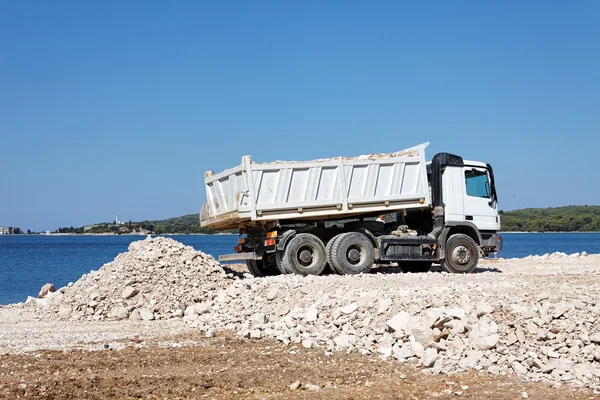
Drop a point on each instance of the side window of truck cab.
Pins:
(477, 183)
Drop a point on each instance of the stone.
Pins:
(272, 294)
(511, 339)
(399, 322)
(417, 348)
(422, 333)
(595, 338)
(483, 308)
(295, 385)
(210, 333)
(146, 314)
(403, 352)
(312, 387)
(429, 357)
(520, 335)
(472, 359)
(64, 312)
(483, 335)
(47, 288)
(519, 368)
(457, 313)
(456, 326)
(129, 292)
(311, 314)
(383, 305)
(255, 334)
(135, 315)
(344, 341)
(349, 309)
(559, 310)
(386, 351)
(258, 319)
(118, 313)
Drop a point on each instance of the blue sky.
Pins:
(119, 107)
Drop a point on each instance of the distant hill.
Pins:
(189, 223)
(186, 224)
(558, 219)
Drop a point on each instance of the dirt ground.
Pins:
(229, 368)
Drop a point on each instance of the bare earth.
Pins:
(54, 359)
(229, 368)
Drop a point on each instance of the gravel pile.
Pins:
(156, 279)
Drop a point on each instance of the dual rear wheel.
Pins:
(350, 253)
(346, 254)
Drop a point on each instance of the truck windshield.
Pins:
(477, 183)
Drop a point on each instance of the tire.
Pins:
(280, 264)
(328, 248)
(258, 269)
(352, 253)
(462, 254)
(304, 255)
(415, 266)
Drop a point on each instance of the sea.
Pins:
(29, 261)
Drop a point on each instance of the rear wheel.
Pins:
(304, 255)
(352, 253)
(259, 268)
(462, 254)
(415, 266)
(281, 266)
(328, 249)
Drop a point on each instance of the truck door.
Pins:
(453, 190)
(479, 207)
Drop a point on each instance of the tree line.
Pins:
(558, 219)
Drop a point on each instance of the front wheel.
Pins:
(462, 254)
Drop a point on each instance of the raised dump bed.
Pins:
(333, 188)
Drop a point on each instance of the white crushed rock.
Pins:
(156, 279)
(21, 332)
(537, 317)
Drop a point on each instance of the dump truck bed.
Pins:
(334, 188)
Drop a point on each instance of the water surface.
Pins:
(28, 262)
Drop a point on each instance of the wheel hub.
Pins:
(461, 254)
(306, 256)
(354, 255)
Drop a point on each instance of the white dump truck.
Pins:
(346, 214)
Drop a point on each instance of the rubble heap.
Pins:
(156, 279)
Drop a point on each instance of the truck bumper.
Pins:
(492, 244)
(498, 242)
(239, 257)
